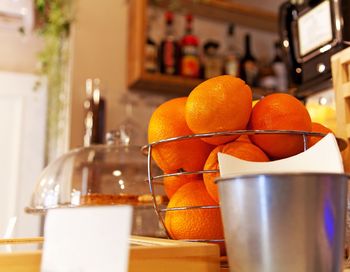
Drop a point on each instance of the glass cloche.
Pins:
(95, 175)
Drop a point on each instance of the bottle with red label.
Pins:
(190, 64)
(169, 50)
(232, 57)
(249, 70)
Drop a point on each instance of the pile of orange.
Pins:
(222, 103)
(240, 149)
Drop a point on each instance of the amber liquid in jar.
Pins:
(110, 199)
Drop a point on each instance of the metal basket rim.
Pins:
(233, 132)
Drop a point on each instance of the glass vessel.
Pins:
(108, 174)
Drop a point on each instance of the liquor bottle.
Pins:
(151, 53)
(151, 56)
(267, 79)
(231, 66)
(190, 65)
(169, 51)
(212, 62)
(88, 113)
(98, 132)
(94, 120)
(248, 65)
(280, 69)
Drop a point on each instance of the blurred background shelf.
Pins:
(165, 83)
(228, 11)
(219, 10)
(179, 85)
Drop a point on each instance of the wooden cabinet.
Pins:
(341, 84)
(221, 10)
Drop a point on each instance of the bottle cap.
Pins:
(211, 44)
(169, 16)
(190, 40)
(189, 18)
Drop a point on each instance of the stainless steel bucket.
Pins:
(284, 222)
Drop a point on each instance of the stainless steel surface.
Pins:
(284, 222)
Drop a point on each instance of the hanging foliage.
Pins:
(53, 21)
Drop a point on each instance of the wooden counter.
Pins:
(146, 255)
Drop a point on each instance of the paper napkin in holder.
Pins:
(323, 157)
(276, 213)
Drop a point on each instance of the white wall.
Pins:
(22, 142)
(18, 53)
(22, 127)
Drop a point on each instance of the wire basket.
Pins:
(155, 180)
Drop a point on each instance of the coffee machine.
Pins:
(311, 31)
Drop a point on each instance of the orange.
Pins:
(281, 112)
(239, 149)
(317, 127)
(243, 138)
(221, 103)
(173, 183)
(168, 121)
(194, 223)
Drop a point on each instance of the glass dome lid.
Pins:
(96, 175)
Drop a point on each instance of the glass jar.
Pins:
(110, 174)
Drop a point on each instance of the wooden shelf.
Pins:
(176, 85)
(214, 9)
(229, 11)
(165, 83)
(346, 89)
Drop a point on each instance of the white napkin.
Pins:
(87, 239)
(323, 157)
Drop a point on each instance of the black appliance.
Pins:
(311, 32)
